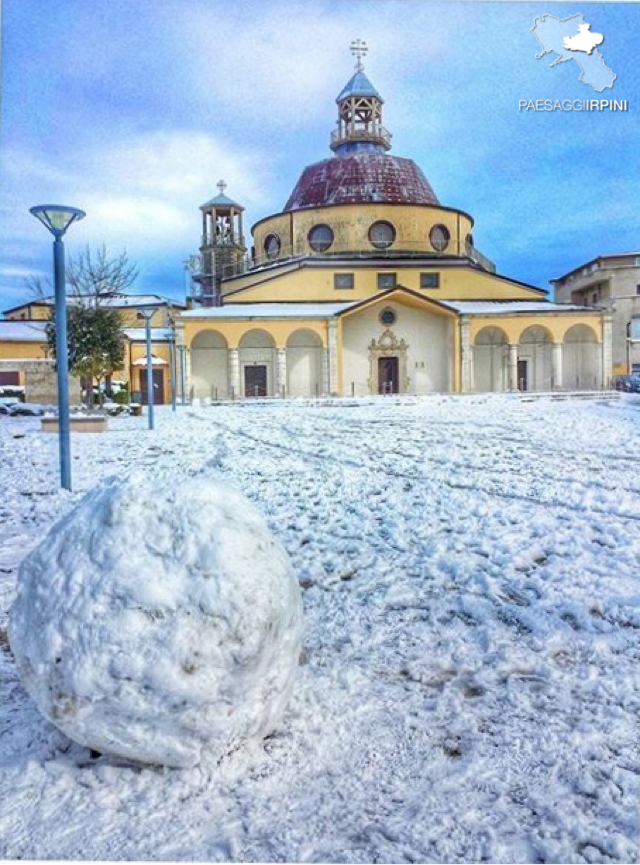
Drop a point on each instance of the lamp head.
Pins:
(56, 217)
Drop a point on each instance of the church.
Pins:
(365, 283)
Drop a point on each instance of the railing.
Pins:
(399, 249)
(361, 133)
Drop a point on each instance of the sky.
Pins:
(134, 109)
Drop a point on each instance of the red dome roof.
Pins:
(361, 177)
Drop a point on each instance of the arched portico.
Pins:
(581, 359)
(535, 361)
(491, 360)
(257, 364)
(209, 365)
(304, 363)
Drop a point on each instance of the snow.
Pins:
(159, 621)
(269, 310)
(469, 684)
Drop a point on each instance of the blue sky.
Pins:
(134, 110)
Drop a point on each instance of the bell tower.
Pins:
(360, 126)
(222, 248)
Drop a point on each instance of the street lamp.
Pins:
(57, 220)
(148, 315)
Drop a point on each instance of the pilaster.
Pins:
(334, 384)
(234, 373)
(466, 354)
(513, 367)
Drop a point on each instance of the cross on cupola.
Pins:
(360, 126)
(359, 50)
(221, 186)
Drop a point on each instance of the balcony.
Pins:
(398, 250)
(376, 134)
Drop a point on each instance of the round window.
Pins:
(388, 317)
(272, 245)
(320, 238)
(439, 237)
(382, 234)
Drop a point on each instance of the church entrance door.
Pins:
(388, 376)
(255, 380)
(523, 368)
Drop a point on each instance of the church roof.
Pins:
(222, 201)
(361, 177)
(358, 85)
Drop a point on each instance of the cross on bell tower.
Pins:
(360, 126)
(223, 250)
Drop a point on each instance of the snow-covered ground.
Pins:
(469, 688)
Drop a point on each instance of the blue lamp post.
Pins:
(147, 314)
(57, 220)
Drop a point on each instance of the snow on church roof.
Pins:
(508, 307)
(22, 331)
(269, 310)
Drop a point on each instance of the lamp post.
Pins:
(148, 315)
(181, 349)
(57, 220)
(172, 358)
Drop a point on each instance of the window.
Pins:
(594, 297)
(429, 280)
(343, 280)
(439, 237)
(637, 289)
(382, 234)
(9, 378)
(388, 317)
(320, 238)
(387, 280)
(470, 240)
(272, 245)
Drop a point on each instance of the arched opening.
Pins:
(581, 358)
(257, 356)
(209, 365)
(535, 359)
(491, 360)
(304, 364)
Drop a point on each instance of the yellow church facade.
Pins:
(366, 284)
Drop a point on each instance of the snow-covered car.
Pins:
(628, 383)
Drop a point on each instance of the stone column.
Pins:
(513, 367)
(556, 367)
(234, 373)
(281, 371)
(607, 350)
(466, 355)
(334, 384)
(326, 388)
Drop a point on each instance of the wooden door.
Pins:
(388, 376)
(158, 387)
(523, 367)
(255, 380)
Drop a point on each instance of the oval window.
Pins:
(439, 237)
(382, 234)
(388, 317)
(320, 238)
(272, 245)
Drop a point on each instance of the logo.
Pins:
(572, 39)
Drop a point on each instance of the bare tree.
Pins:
(94, 274)
(90, 276)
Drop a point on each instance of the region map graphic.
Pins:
(572, 39)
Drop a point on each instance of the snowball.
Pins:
(159, 621)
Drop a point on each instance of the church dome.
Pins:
(358, 177)
(361, 171)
